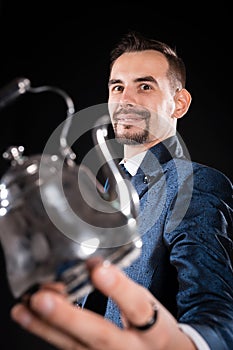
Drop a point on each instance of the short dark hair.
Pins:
(134, 41)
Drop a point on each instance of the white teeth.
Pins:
(130, 119)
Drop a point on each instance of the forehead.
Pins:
(140, 63)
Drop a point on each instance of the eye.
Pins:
(117, 88)
(145, 87)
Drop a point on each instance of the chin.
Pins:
(129, 138)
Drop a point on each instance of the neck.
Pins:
(132, 150)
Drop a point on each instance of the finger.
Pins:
(82, 325)
(58, 287)
(35, 325)
(136, 304)
(135, 301)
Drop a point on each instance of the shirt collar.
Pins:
(132, 164)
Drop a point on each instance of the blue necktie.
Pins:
(125, 170)
(106, 186)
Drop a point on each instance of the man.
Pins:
(179, 293)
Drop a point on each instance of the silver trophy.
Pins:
(56, 217)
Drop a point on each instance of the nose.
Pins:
(128, 97)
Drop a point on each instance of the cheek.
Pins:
(152, 103)
(166, 108)
(112, 107)
(170, 105)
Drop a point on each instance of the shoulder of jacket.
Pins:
(210, 179)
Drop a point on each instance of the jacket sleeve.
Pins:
(201, 250)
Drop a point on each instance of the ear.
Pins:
(182, 101)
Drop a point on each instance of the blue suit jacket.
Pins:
(187, 256)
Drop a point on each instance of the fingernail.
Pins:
(43, 304)
(93, 262)
(106, 276)
(21, 316)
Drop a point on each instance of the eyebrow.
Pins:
(148, 78)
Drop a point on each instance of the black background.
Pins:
(66, 44)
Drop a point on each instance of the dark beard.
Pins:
(135, 139)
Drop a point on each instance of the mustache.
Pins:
(124, 111)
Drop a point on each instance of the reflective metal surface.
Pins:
(55, 217)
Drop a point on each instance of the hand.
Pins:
(52, 317)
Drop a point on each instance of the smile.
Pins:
(129, 118)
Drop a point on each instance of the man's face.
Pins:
(141, 102)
